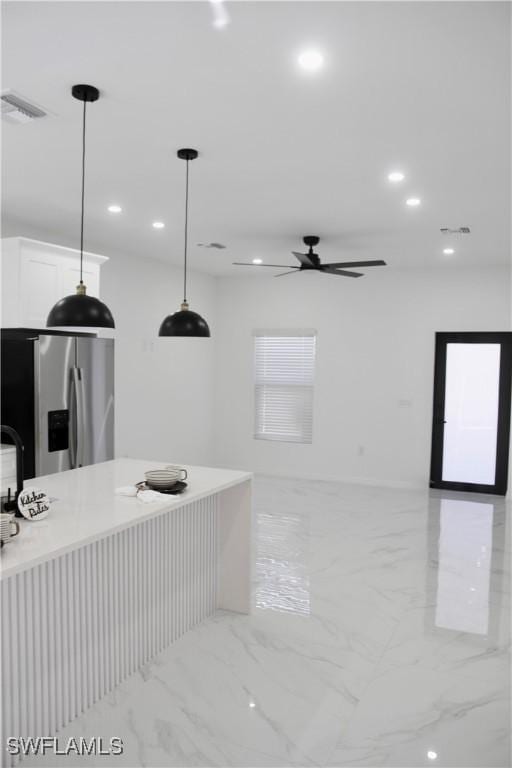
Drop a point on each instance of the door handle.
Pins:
(73, 448)
(80, 415)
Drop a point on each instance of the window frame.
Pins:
(306, 434)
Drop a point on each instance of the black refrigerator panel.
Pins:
(17, 395)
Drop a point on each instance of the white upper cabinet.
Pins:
(35, 275)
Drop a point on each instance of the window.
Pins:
(284, 373)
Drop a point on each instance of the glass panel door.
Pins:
(471, 424)
(471, 413)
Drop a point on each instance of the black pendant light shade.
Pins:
(79, 309)
(185, 322)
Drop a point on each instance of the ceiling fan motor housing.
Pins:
(311, 241)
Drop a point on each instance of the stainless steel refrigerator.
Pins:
(58, 393)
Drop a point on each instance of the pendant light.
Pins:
(185, 322)
(79, 309)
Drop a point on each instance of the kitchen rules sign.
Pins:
(33, 504)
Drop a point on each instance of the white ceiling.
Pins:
(423, 87)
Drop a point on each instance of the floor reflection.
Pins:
(281, 565)
(465, 551)
(469, 569)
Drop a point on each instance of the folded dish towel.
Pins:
(146, 496)
(127, 490)
(149, 496)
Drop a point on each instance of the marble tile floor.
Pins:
(380, 636)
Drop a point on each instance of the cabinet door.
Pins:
(35, 275)
(10, 279)
(40, 282)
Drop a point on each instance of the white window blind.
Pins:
(284, 377)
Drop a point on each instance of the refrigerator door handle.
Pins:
(73, 418)
(80, 416)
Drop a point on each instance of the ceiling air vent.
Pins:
(212, 245)
(16, 109)
(458, 231)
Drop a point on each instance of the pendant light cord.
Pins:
(186, 237)
(83, 198)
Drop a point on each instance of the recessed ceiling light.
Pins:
(431, 755)
(413, 201)
(220, 14)
(448, 251)
(252, 704)
(115, 208)
(158, 224)
(311, 60)
(257, 261)
(396, 176)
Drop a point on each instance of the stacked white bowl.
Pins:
(165, 478)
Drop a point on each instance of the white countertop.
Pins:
(87, 507)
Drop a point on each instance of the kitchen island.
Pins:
(106, 582)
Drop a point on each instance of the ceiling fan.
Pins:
(311, 261)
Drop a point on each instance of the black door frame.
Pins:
(503, 437)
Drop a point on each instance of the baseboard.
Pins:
(321, 477)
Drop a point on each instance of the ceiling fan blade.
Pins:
(290, 272)
(250, 264)
(304, 259)
(340, 272)
(374, 263)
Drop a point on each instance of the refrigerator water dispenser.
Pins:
(58, 430)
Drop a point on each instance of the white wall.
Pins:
(374, 369)
(164, 386)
